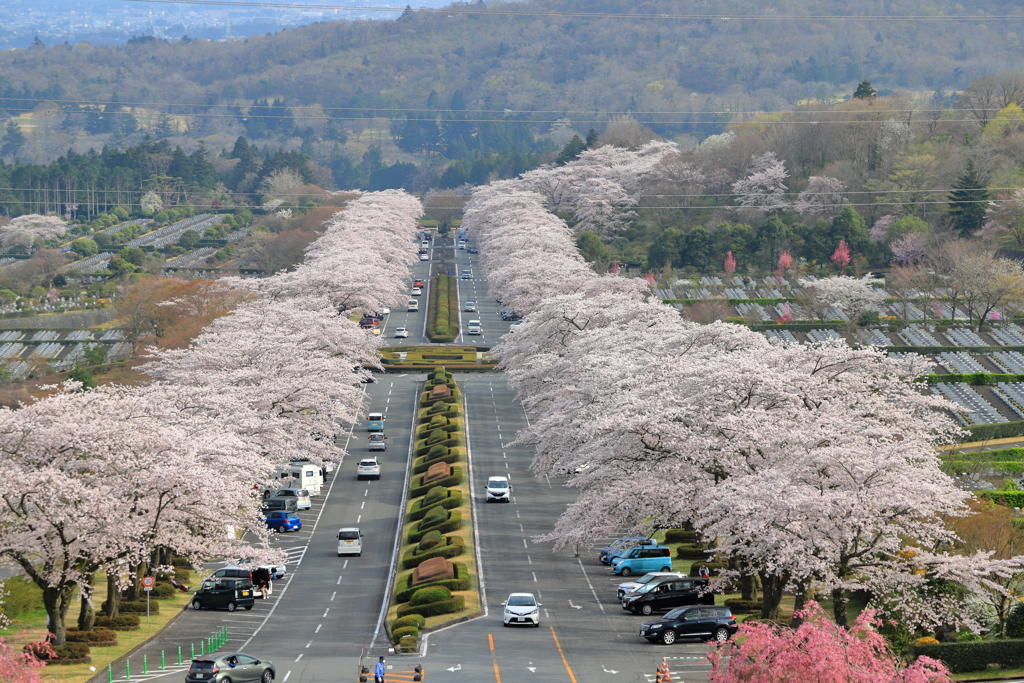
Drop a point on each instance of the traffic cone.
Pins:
(665, 676)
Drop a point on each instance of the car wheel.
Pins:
(359, 554)
(225, 680)
(721, 635)
(339, 554)
(536, 624)
(248, 607)
(668, 637)
(231, 607)
(196, 605)
(646, 610)
(505, 624)
(666, 569)
(626, 571)
(266, 677)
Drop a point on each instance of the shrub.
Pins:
(437, 450)
(435, 516)
(399, 633)
(135, 607)
(163, 591)
(680, 536)
(435, 495)
(122, 622)
(453, 547)
(743, 606)
(449, 525)
(419, 508)
(1015, 622)
(436, 437)
(412, 620)
(435, 608)
(418, 489)
(98, 637)
(404, 591)
(714, 568)
(430, 540)
(408, 644)
(928, 640)
(425, 596)
(691, 552)
(68, 653)
(974, 656)
(1011, 498)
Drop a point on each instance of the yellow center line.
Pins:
(494, 659)
(562, 654)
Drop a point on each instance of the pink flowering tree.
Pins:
(730, 263)
(21, 667)
(25, 231)
(785, 262)
(820, 651)
(764, 187)
(841, 256)
(909, 249)
(880, 230)
(787, 314)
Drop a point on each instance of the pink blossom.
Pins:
(614, 270)
(823, 196)
(21, 667)
(787, 315)
(730, 263)
(841, 256)
(880, 229)
(911, 248)
(764, 188)
(649, 277)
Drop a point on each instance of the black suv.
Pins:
(659, 596)
(706, 623)
(227, 593)
(282, 504)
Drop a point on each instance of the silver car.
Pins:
(470, 307)
(498, 490)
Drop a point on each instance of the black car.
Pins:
(284, 504)
(663, 595)
(704, 622)
(472, 250)
(227, 593)
(236, 667)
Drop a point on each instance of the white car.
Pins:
(630, 586)
(385, 311)
(350, 541)
(416, 291)
(470, 307)
(301, 497)
(424, 257)
(521, 608)
(401, 333)
(499, 490)
(368, 468)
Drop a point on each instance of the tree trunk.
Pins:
(113, 595)
(799, 601)
(839, 602)
(747, 581)
(57, 601)
(772, 586)
(86, 616)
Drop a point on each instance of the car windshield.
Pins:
(286, 492)
(647, 579)
(348, 535)
(497, 484)
(377, 437)
(646, 588)
(676, 613)
(521, 601)
(303, 493)
(368, 463)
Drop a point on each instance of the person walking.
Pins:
(378, 671)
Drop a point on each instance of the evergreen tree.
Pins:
(849, 226)
(13, 140)
(863, 91)
(165, 128)
(696, 251)
(591, 139)
(968, 201)
(571, 151)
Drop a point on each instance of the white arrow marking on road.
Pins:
(609, 671)
(575, 606)
(532, 669)
(457, 667)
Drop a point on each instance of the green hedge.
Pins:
(417, 511)
(974, 655)
(412, 620)
(714, 568)
(431, 539)
(691, 552)
(680, 536)
(425, 595)
(997, 431)
(399, 633)
(1014, 467)
(798, 327)
(973, 378)
(434, 609)
(454, 547)
(443, 316)
(453, 523)
(404, 591)
(935, 350)
(731, 302)
(1014, 499)
(421, 449)
(423, 464)
(98, 637)
(134, 607)
(418, 489)
(995, 455)
(122, 622)
(743, 606)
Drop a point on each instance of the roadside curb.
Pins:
(101, 675)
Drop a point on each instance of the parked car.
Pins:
(470, 307)
(236, 667)
(368, 468)
(284, 521)
(498, 490)
(621, 544)
(378, 442)
(232, 571)
(642, 560)
(301, 496)
(401, 333)
(631, 586)
(706, 623)
(521, 608)
(227, 593)
(286, 504)
(350, 542)
(666, 594)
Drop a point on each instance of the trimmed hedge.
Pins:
(452, 522)
(403, 591)
(454, 546)
(163, 591)
(434, 609)
(714, 568)
(423, 464)
(691, 552)
(412, 620)
(399, 633)
(429, 594)
(418, 489)
(69, 653)
(973, 378)
(732, 302)
(743, 606)
(975, 655)
(421, 447)
(430, 540)
(420, 508)
(122, 622)
(680, 536)
(1014, 499)
(135, 607)
(443, 316)
(996, 431)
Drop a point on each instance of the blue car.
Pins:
(281, 520)
(621, 545)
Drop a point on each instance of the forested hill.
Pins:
(538, 61)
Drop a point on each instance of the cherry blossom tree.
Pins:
(764, 187)
(21, 667)
(25, 231)
(818, 650)
(823, 197)
(880, 229)
(841, 256)
(848, 295)
(785, 261)
(602, 207)
(909, 249)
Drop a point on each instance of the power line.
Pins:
(486, 11)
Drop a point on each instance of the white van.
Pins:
(474, 327)
(300, 476)
(350, 541)
(413, 305)
(467, 274)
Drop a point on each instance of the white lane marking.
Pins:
(574, 606)
(524, 544)
(337, 584)
(335, 592)
(366, 492)
(308, 644)
(506, 465)
(298, 658)
(325, 613)
(528, 560)
(363, 505)
(521, 528)
(318, 628)
(584, 570)
(285, 679)
(358, 518)
(344, 566)
(534, 576)
(517, 514)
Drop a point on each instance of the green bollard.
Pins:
(193, 650)
(127, 668)
(202, 649)
(145, 665)
(110, 673)
(179, 655)
(163, 662)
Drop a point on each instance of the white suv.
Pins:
(521, 608)
(498, 490)
(630, 586)
(368, 468)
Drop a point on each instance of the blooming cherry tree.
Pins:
(823, 197)
(24, 231)
(848, 295)
(764, 188)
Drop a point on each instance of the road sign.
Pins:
(148, 581)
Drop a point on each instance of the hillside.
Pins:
(533, 61)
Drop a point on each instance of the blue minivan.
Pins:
(657, 558)
(619, 546)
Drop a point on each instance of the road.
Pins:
(327, 610)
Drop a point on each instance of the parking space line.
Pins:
(494, 658)
(572, 677)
